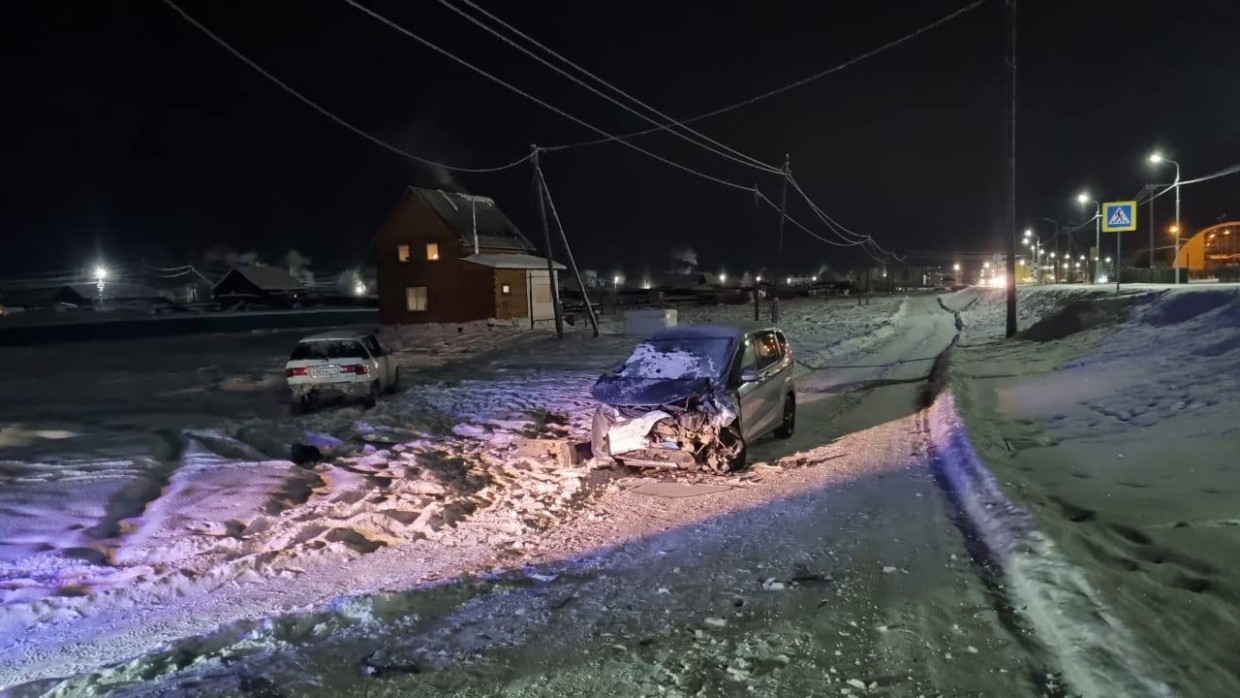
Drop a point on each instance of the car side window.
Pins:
(749, 360)
(766, 349)
(372, 346)
(783, 345)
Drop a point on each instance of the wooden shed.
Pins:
(450, 257)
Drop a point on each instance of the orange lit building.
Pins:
(1216, 246)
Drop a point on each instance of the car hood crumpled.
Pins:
(642, 392)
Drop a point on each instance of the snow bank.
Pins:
(1098, 654)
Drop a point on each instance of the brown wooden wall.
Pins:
(517, 303)
(456, 291)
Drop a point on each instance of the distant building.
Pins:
(259, 283)
(446, 257)
(43, 298)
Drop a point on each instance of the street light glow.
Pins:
(1082, 198)
(758, 277)
(723, 278)
(1028, 232)
(1156, 158)
(359, 289)
(101, 273)
(956, 266)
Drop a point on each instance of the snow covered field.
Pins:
(1114, 424)
(148, 492)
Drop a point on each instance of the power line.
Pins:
(536, 100)
(727, 152)
(323, 110)
(789, 86)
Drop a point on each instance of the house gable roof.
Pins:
(459, 212)
(270, 279)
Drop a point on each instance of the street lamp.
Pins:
(1157, 158)
(101, 274)
(723, 278)
(1083, 199)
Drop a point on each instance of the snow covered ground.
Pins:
(148, 492)
(1113, 422)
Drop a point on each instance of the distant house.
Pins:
(258, 283)
(446, 257)
(39, 298)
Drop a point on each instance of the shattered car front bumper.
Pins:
(701, 432)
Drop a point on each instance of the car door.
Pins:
(769, 359)
(378, 362)
(749, 392)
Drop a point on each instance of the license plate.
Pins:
(324, 371)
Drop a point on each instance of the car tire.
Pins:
(789, 423)
(372, 398)
(395, 387)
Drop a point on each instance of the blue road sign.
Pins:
(1119, 216)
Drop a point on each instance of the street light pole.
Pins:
(1177, 222)
(1157, 158)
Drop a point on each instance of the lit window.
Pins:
(402, 253)
(506, 290)
(432, 251)
(415, 298)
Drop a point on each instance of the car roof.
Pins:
(711, 331)
(334, 336)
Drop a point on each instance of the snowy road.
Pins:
(842, 570)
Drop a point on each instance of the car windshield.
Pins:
(329, 349)
(677, 359)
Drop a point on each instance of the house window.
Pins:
(415, 298)
(432, 251)
(506, 289)
(402, 253)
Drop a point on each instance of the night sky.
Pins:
(129, 135)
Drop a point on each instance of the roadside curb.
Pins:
(1098, 655)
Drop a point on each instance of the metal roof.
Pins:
(510, 261)
(461, 212)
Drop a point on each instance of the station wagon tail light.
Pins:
(359, 369)
(298, 371)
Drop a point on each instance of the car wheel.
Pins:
(373, 396)
(395, 387)
(789, 423)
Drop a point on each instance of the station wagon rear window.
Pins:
(329, 349)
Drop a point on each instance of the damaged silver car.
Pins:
(692, 397)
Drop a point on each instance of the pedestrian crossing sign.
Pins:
(1119, 216)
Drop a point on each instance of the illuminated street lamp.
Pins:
(359, 289)
(723, 278)
(1157, 158)
(101, 274)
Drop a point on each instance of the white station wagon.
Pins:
(351, 365)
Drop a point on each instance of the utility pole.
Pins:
(1055, 264)
(1010, 214)
(757, 209)
(572, 261)
(551, 280)
(1151, 195)
(779, 250)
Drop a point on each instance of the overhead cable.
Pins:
(536, 100)
(323, 110)
(791, 85)
(719, 148)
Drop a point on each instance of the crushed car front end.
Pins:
(668, 406)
